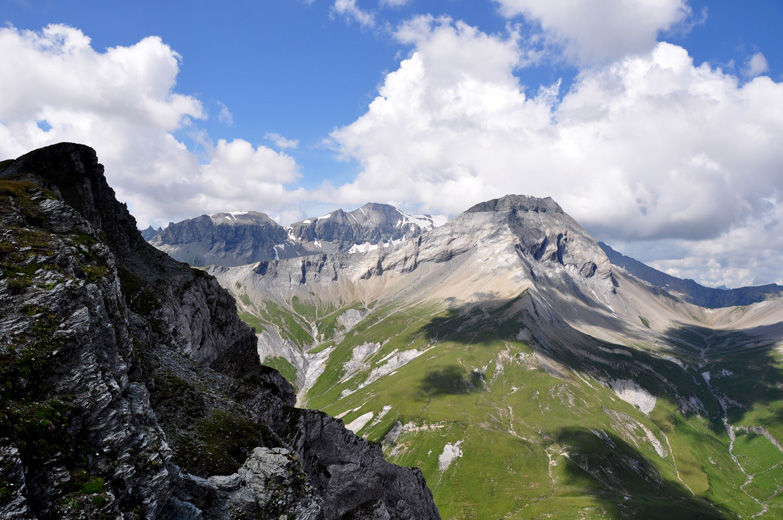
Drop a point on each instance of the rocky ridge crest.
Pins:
(239, 238)
(134, 391)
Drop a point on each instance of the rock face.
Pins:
(361, 229)
(225, 238)
(548, 242)
(239, 238)
(131, 388)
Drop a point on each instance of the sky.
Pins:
(656, 124)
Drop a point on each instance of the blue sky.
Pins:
(653, 124)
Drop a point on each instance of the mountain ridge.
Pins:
(237, 238)
(691, 290)
(508, 329)
(131, 388)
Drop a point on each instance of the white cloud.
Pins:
(225, 116)
(394, 3)
(755, 66)
(647, 148)
(280, 141)
(350, 10)
(122, 102)
(593, 31)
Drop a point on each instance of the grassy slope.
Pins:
(541, 436)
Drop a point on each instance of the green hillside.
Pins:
(511, 417)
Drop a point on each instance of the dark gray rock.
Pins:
(224, 239)
(131, 388)
(239, 238)
(150, 232)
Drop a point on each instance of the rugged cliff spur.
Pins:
(132, 390)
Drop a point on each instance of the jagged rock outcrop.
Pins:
(150, 232)
(131, 388)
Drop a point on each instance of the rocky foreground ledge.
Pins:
(130, 389)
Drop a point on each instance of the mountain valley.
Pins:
(505, 353)
(526, 375)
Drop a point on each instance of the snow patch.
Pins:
(325, 216)
(307, 221)
(632, 393)
(706, 376)
(362, 248)
(358, 423)
(386, 409)
(450, 452)
(343, 414)
(425, 222)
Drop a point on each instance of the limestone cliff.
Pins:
(132, 390)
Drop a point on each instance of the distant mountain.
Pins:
(371, 226)
(239, 238)
(527, 376)
(689, 290)
(150, 232)
(234, 238)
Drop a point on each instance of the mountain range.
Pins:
(243, 237)
(515, 361)
(528, 375)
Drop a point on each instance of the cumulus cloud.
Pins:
(594, 31)
(280, 141)
(394, 3)
(351, 11)
(122, 102)
(649, 147)
(756, 65)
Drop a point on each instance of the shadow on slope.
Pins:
(450, 380)
(606, 467)
(743, 365)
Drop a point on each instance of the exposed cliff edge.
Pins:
(132, 390)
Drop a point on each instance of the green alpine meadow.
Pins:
(527, 376)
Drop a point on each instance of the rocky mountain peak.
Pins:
(371, 224)
(519, 203)
(234, 218)
(72, 171)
